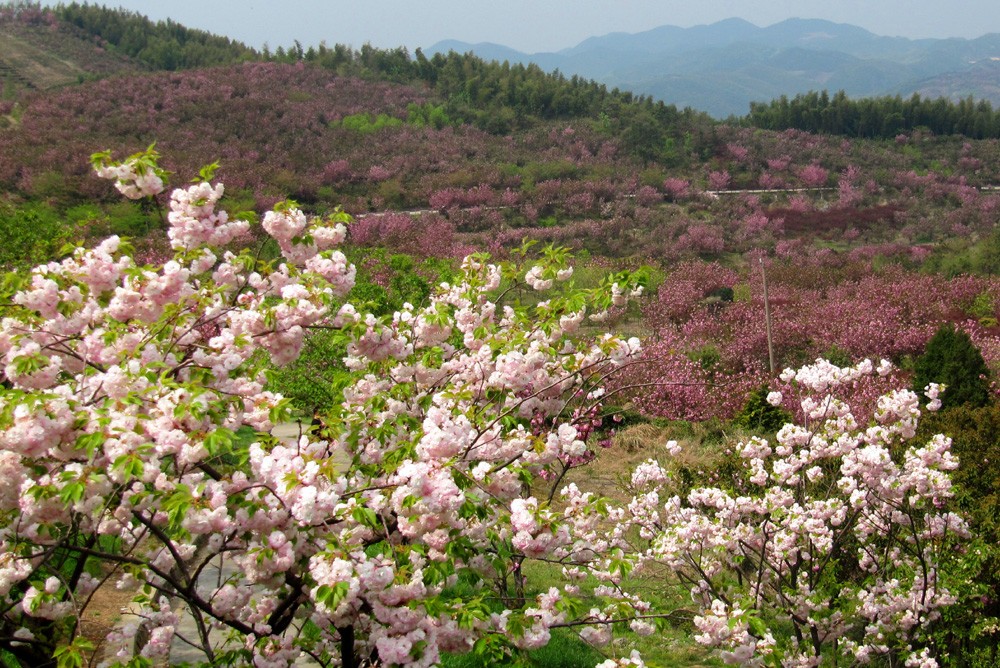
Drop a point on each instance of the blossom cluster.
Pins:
(136, 177)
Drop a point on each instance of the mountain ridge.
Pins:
(722, 67)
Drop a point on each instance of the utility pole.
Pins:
(767, 318)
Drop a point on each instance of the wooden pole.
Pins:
(767, 319)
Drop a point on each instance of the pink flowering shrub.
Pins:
(124, 388)
(831, 544)
(676, 188)
(719, 180)
(813, 176)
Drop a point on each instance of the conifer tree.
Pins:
(951, 358)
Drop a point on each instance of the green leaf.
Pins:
(72, 492)
(90, 442)
(73, 655)
(281, 411)
(219, 440)
(207, 173)
(131, 465)
(100, 158)
(177, 504)
(332, 596)
(757, 626)
(366, 516)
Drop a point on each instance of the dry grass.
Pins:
(36, 66)
(702, 449)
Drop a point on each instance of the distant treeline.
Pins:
(876, 117)
(496, 97)
(163, 45)
(500, 97)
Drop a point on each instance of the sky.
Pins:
(542, 25)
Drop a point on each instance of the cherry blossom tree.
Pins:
(831, 545)
(129, 393)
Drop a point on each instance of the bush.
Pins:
(952, 359)
(759, 415)
(974, 441)
(30, 234)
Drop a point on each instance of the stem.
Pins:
(347, 657)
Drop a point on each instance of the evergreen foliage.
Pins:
(977, 479)
(952, 359)
(30, 234)
(161, 45)
(876, 117)
(760, 416)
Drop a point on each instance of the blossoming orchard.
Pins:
(136, 452)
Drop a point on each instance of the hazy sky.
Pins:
(544, 25)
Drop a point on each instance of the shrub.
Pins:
(971, 632)
(30, 233)
(951, 358)
(761, 416)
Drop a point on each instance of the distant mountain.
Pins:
(982, 81)
(722, 67)
(485, 50)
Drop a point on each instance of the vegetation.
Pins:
(952, 359)
(882, 117)
(492, 96)
(161, 45)
(31, 234)
(761, 416)
(870, 246)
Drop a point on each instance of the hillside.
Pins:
(50, 47)
(492, 154)
(721, 68)
(43, 55)
(981, 80)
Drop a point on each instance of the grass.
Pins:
(564, 650)
(39, 67)
(673, 644)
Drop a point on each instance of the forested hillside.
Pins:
(722, 67)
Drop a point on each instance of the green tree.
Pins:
(952, 358)
(759, 415)
(970, 632)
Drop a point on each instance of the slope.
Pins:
(44, 56)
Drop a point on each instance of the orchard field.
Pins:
(583, 379)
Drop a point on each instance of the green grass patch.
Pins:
(564, 650)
